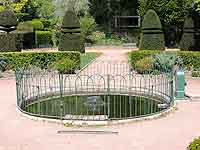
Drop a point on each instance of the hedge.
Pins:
(152, 37)
(189, 58)
(44, 38)
(41, 59)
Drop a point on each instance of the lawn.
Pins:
(87, 58)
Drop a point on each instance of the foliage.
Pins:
(171, 12)
(65, 66)
(42, 59)
(8, 18)
(25, 26)
(44, 8)
(3, 64)
(165, 62)
(70, 38)
(97, 37)
(190, 59)
(37, 25)
(144, 65)
(80, 7)
(195, 73)
(88, 26)
(187, 41)
(44, 38)
(152, 37)
(195, 145)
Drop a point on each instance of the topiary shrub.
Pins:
(37, 25)
(70, 38)
(187, 40)
(44, 38)
(152, 37)
(144, 65)
(195, 145)
(26, 35)
(8, 19)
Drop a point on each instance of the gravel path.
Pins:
(172, 132)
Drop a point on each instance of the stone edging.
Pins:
(98, 123)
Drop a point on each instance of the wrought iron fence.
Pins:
(99, 92)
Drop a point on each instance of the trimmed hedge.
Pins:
(8, 19)
(152, 37)
(187, 41)
(42, 60)
(189, 58)
(37, 25)
(44, 38)
(195, 145)
(70, 38)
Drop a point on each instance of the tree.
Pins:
(80, 7)
(171, 12)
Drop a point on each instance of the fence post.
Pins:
(179, 84)
(61, 90)
(108, 91)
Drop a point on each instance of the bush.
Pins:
(37, 25)
(70, 38)
(195, 73)
(8, 19)
(195, 145)
(190, 59)
(97, 37)
(187, 41)
(88, 25)
(8, 42)
(44, 38)
(144, 65)
(165, 62)
(41, 60)
(152, 37)
(26, 34)
(25, 26)
(65, 66)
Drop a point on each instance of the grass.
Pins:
(88, 58)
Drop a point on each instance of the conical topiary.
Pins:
(70, 39)
(8, 19)
(152, 37)
(187, 41)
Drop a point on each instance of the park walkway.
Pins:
(172, 132)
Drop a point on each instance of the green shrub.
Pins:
(190, 59)
(37, 25)
(8, 19)
(88, 26)
(187, 41)
(70, 38)
(165, 62)
(195, 73)
(65, 66)
(8, 42)
(25, 26)
(2, 8)
(152, 37)
(42, 59)
(195, 145)
(44, 38)
(144, 65)
(97, 37)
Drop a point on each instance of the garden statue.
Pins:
(70, 39)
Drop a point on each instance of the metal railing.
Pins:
(95, 93)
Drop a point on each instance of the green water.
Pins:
(114, 106)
